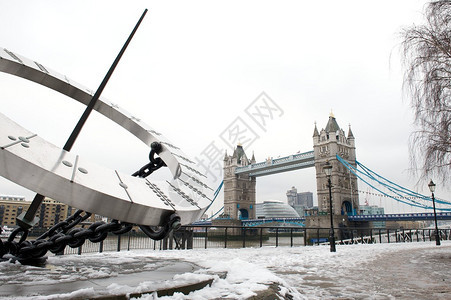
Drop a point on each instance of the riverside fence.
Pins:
(206, 237)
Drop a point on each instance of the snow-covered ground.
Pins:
(378, 271)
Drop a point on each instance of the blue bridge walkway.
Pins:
(401, 217)
(356, 218)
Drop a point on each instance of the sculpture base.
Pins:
(24, 223)
(96, 276)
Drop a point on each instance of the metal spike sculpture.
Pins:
(30, 161)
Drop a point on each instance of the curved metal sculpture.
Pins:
(34, 163)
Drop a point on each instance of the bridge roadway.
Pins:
(279, 165)
(401, 217)
(357, 218)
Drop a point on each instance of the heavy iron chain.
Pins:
(59, 236)
(154, 164)
(173, 220)
(65, 233)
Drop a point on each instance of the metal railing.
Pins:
(207, 236)
(382, 235)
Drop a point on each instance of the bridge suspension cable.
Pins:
(216, 213)
(403, 195)
(215, 195)
(400, 188)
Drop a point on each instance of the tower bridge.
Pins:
(331, 146)
(240, 174)
(279, 165)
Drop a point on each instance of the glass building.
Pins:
(274, 209)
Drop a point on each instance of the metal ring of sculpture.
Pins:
(34, 163)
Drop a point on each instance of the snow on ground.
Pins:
(378, 271)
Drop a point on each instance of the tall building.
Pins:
(292, 196)
(52, 212)
(305, 199)
(239, 190)
(10, 208)
(299, 201)
(49, 213)
(373, 210)
(327, 144)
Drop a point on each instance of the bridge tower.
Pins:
(239, 190)
(327, 143)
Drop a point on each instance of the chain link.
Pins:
(154, 164)
(59, 236)
(65, 233)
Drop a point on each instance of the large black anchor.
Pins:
(171, 221)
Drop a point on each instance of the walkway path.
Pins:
(404, 273)
(379, 271)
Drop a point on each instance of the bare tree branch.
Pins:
(427, 58)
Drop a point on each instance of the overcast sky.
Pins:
(195, 68)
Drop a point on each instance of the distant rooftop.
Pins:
(12, 197)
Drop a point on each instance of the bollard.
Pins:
(171, 239)
(225, 238)
(206, 235)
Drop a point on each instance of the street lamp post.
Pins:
(328, 171)
(437, 235)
